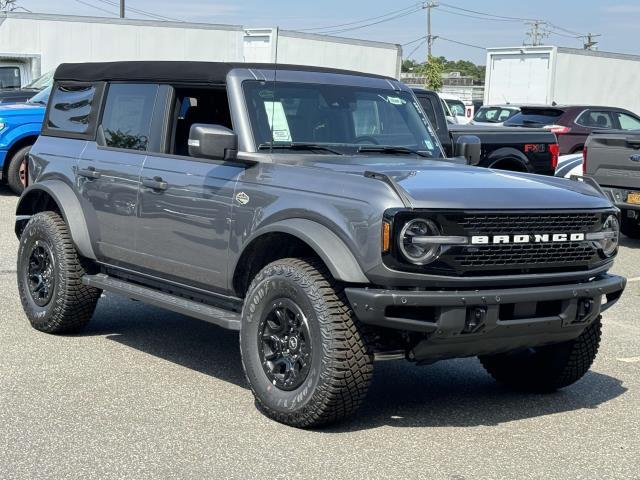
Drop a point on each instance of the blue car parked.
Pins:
(20, 125)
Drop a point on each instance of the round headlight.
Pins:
(611, 228)
(415, 251)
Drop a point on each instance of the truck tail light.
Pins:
(557, 129)
(584, 160)
(554, 149)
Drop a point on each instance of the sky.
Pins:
(618, 22)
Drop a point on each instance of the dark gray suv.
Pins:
(313, 211)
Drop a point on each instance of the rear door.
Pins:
(518, 78)
(613, 159)
(185, 202)
(108, 174)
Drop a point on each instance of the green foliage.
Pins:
(432, 70)
(465, 67)
(410, 65)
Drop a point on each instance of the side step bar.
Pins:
(218, 316)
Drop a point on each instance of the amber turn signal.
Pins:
(386, 236)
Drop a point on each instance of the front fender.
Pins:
(330, 248)
(69, 206)
(13, 135)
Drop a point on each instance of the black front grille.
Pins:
(496, 224)
(532, 255)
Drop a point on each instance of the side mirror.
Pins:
(212, 141)
(469, 147)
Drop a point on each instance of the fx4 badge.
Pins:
(537, 238)
(242, 198)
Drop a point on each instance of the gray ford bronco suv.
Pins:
(311, 210)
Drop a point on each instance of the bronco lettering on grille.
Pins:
(537, 238)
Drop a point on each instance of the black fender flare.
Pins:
(510, 153)
(330, 248)
(69, 206)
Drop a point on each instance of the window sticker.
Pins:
(278, 121)
(395, 101)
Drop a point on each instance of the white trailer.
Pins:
(38, 43)
(546, 74)
(297, 48)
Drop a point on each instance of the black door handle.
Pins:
(155, 183)
(91, 173)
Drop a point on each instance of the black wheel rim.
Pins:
(284, 344)
(40, 275)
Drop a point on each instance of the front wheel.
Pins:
(548, 368)
(303, 352)
(17, 170)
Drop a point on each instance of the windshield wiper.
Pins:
(393, 149)
(297, 146)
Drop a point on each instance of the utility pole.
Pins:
(537, 33)
(430, 38)
(121, 8)
(590, 43)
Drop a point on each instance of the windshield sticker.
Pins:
(278, 121)
(395, 101)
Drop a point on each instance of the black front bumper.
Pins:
(475, 322)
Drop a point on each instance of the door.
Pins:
(519, 78)
(108, 174)
(185, 202)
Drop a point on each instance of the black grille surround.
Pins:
(505, 259)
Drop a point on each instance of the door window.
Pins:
(628, 122)
(9, 77)
(128, 111)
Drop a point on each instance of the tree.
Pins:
(432, 71)
(8, 5)
(410, 65)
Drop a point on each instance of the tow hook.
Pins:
(585, 309)
(476, 317)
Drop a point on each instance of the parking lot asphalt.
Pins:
(145, 393)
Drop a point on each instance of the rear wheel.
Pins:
(545, 369)
(16, 171)
(630, 226)
(303, 352)
(50, 277)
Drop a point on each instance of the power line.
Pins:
(414, 41)
(142, 12)
(330, 27)
(461, 43)
(486, 14)
(444, 10)
(401, 15)
(104, 10)
(424, 39)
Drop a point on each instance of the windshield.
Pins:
(535, 117)
(41, 82)
(41, 97)
(494, 114)
(345, 118)
(456, 106)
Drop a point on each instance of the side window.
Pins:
(70, 108)
(9, 77)
(627, 122)
(595, 119)
(126, 121)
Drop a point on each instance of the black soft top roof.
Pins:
(168, 71)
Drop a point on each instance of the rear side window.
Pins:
(494, 114)
(128, 111)
(71, 109)
(535, 117)
(628, 122)
(595, 119)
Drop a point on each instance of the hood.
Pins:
(444, 184)
(20, 109)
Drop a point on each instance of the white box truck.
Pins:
(546, 74)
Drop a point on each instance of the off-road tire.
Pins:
(630, 226)
(72, 304)
(342, 364)
(548, 368)
(13, 170)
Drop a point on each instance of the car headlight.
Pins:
(2, 125)
(611, 236)
(415, 242)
